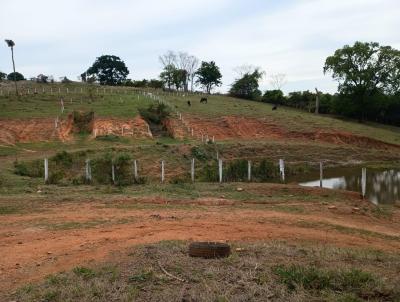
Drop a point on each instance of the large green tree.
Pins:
(107, 70)
(363, 71)
(275, 96)
(247, 86)
(208, 75)
(167, 76)
(15, 76)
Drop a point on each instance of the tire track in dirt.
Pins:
(30, 253)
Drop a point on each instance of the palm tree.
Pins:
(11, 44)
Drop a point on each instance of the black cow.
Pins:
(203, 100)
(275, 107)
(189, 103)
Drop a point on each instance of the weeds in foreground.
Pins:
(273, 271)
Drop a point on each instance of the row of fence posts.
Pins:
(88, 172)
(76, 90)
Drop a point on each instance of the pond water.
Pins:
(382, 187)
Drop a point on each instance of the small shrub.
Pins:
(123, 169)
(362, 284)
(64, 159)
(108, 138)
(236, 170)
(101, 169)
(265, 170)
(32, 169)
(141, 180)
(182, 179)
(55, 177)
(307, 277)
(83, 121)
(84, 272)
(155, 113)
(200, 153)
(209, 173)
(142, 277)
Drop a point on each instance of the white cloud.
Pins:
(296, 41)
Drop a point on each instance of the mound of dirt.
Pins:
(13, 131)
(39, 129)
(236, 127)
(136, 127)
(175, 129)
(228, 127)
(346, 138)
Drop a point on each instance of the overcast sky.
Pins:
(64, 37)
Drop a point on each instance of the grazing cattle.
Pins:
(203, 100)
(275, 107)
(189, 103)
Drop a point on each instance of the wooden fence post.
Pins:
(220, 170)
(249, 170)
(363, 182)
(192, 170)
(321, 174)
(282, 169)
(88, 171)
(113, 173)
(46, 170)
(135, 170)
(162, 171)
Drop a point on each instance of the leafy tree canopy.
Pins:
(209, 75)
(167, 76)
(3, 76)
(274, 96)
(247, 86)
(364, 70)
(15, 76)
(108, 70)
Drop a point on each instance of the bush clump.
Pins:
(83, 121)
(32, 169)
(359, 283)
(155, 113)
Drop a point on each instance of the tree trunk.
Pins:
(15, 75)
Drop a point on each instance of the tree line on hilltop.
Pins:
(368, 76)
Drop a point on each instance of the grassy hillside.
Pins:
(124, 102)
(104, 101)
(287, 118)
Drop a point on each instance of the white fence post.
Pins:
(46, 170)
(135, 170)
(88, 171)
(363, 182)
(162, 171)
(321, 174)
(282, 169)
(220, 170)
(249, 170)
(113, 173)
(192, 170)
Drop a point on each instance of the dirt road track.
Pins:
(35, 245)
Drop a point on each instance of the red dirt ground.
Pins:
(43, 129)
(32, 249)
(39, 129)
(136, 127)
(234, 127)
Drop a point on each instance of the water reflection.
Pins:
(383, 186)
